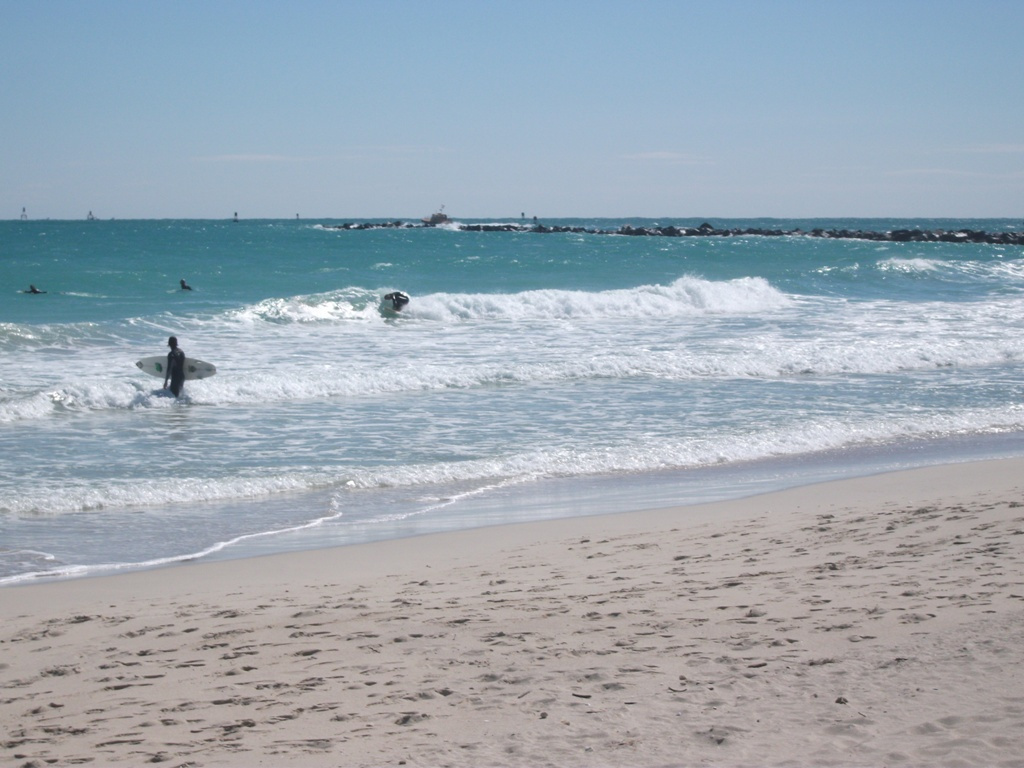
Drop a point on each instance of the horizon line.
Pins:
(417, 219)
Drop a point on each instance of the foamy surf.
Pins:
(522, 363)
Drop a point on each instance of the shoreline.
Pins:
(590, 496)
(861, 621)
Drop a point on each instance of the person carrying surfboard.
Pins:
(175, 367)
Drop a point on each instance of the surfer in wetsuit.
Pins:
(175, 367)
(398, 300)
(33, 289)
(185, 286)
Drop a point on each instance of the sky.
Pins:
(557, 108)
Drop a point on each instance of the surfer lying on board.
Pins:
(397, 299)
(175, 367)
(33, 289)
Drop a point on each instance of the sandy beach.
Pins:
(875, 621)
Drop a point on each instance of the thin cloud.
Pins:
(253, 159)
(994, 149)
(674, 158)
(348, 154)
(955, 173)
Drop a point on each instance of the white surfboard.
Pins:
(194, 369)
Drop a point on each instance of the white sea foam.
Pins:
(489, 341)
(639, 454)
(339, 306)
(910, 265)
(1008, 272)
(686, 296)
(520, 358)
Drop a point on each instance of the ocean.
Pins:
(531, 376)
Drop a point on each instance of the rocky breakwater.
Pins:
(895, 236)
(707, 230)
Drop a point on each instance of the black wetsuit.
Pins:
(398, 300)
(176, 366)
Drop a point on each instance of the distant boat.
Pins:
(437, 218)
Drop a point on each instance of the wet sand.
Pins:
(875, 621)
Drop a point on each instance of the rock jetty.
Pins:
(707, 230)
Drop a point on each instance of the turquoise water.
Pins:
(532, 375)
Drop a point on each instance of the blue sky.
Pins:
(382, 108)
